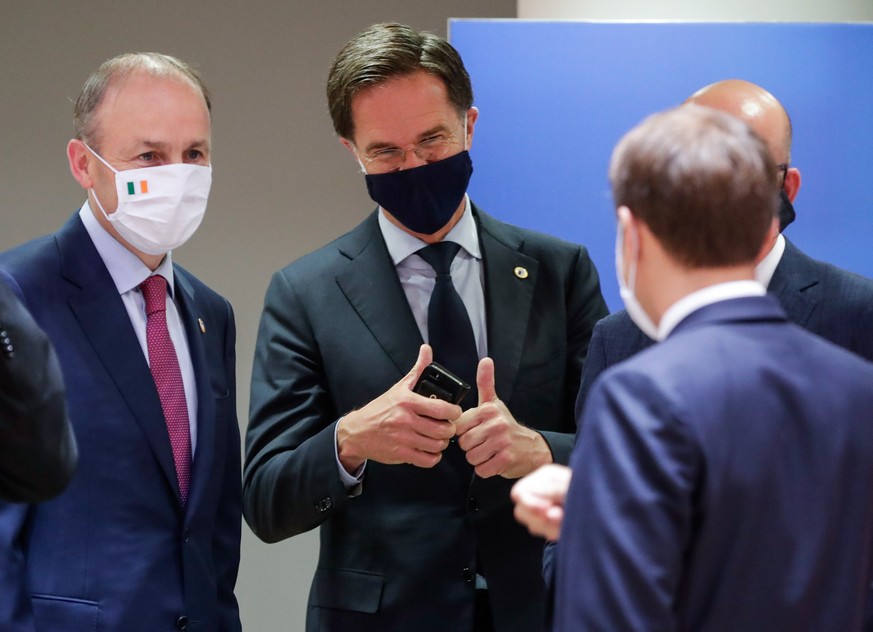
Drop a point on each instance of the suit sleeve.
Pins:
(291, 482)
(628, 511)
(228, 528)
(16, 612)
(595, 364)
(37, 448)
(585, 306)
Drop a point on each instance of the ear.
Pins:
(348, 144)
(472, 117)
(626, 223)
(792, 183)
(351, 147)
(630, 228)
(79, 159)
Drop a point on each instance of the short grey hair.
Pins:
(153, 64)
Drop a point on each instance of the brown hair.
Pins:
(384, 51)
(701, 180)
(154, 64)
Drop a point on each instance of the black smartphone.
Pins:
(439, 383)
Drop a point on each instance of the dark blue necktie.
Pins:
(449, 331)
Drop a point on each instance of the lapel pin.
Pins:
(520, 272)
(202, 325)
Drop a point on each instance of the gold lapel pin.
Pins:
(202, 325)
(520, 272)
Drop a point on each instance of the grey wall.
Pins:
(282, 183)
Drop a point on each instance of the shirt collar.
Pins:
(677, 312)
(126, 269)
(767, 267)
(401, 244)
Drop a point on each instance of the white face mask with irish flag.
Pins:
(159, 208)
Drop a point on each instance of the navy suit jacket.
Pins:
(37, 447)
(722, 480)
(117, 550)
(828, 301)
(337, 331)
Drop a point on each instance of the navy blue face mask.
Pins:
(424, 198)
(786, 210)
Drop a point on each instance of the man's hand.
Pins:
(399, 426)
(495, 443)
(539, 500)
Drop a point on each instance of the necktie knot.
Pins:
(439, 256)
(154, 291)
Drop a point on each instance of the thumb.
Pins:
(425, 357)
(485, 381)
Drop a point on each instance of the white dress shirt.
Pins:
(127, 272)
(767, 266)
(417, 278)
(689, 303)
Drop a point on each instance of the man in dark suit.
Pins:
(413, 499)
(831, 302)
(146, 537)
(722, 479)
(37, 448)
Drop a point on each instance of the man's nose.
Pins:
(412, 159)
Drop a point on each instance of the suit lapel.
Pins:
(795, 284)
(204, 453)
(508, 297)
(371, 286)
(98, 308)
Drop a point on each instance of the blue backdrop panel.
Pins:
(555, 97)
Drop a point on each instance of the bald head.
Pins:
(756, 107)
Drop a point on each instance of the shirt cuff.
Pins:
(352, 482)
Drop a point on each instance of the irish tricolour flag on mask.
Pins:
(138, 188)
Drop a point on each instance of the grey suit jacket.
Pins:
(337, 332)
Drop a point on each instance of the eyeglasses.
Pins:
(433, 148)
(782, 168)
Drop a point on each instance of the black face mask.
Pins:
(786, 210)
(424, 198)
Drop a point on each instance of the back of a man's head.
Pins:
(702, 181)
(384, 51)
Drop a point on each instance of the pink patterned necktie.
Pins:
(165, 370)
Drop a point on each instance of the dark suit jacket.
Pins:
(828, 301)
(117, 551)
(337, 332)
(722, 480)
(37, 447)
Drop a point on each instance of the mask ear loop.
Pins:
(92, 190)
(358, 158)
(100, 158)
(635, 253)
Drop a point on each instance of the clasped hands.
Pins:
(401, 426)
